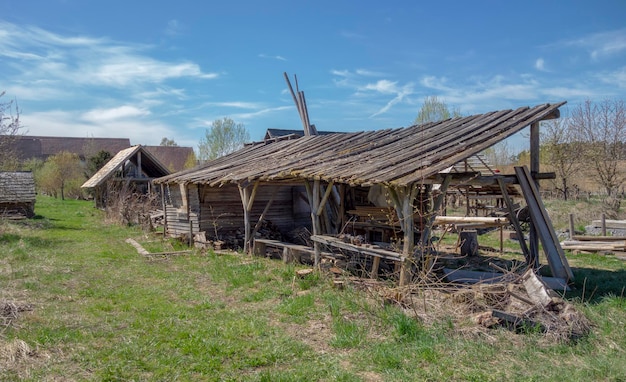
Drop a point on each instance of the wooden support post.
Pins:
(313, 193)
(515, 222)
(244, 192)
(603, 224)
(533, 236)
(163, 203)
(571, 227)
(425, 238)
(375, 266)
(139, 170)
(341, 217)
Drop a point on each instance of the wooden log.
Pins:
(469, 242)
(598, 238)
(610, 224)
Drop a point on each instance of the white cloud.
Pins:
(77, 61)
(383, 86)
(277, 57)
(602, 45)
(540, 64)
(117, 113)
(174, 27)
(235, 104)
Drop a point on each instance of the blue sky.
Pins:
(152, 69)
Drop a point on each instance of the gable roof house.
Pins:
(134, 166)
(17, 194)
(317, 178)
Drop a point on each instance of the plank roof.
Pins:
(395, 157)
(149, 165)
(17, 187)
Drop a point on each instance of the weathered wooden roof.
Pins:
(395, 157)
(173, 157)
(17, 187)
(149, 165)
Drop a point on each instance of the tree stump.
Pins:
(469, 242)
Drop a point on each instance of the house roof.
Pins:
(30, 146)
(173, 157)
(396, 157)
(17, 187)
(149, 165)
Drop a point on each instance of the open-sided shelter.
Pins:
(132, 166)
(272, 180)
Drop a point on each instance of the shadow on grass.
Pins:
(592, 285)
(35, 242)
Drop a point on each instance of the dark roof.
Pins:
(149, 165)
(30, 146)
(17, 187)
(396, 157)
(173, 157)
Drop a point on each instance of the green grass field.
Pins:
(81, 304)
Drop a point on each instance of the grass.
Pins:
(96, 310)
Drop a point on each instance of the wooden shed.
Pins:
(134, 166)
(319, 176)
(17, 194)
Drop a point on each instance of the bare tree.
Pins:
(602, 129)
(9, 133)
(561, 152)
(224, 137)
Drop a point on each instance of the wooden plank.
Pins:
(598, 238)
(554, 253)
(473, 277)
(610, 224)
(334, 242)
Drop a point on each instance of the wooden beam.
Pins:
(244, 192)
(260, 221)
(252, 195)
(329, 189)
(513, 218)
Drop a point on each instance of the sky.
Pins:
(145, 70)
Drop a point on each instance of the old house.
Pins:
(323, 181)
(17, 194)
(133, 168)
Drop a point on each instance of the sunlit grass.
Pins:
(101, 311)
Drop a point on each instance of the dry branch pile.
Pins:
(520, 303)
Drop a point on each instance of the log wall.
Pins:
(218, 210)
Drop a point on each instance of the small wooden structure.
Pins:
(134, 166)
(318, 177)
(17, 194)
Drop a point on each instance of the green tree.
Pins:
(96, 162)
(59, 172)
(434, 110)
(9, 133)
(224, 137)
(168, 142)
(191, 161)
